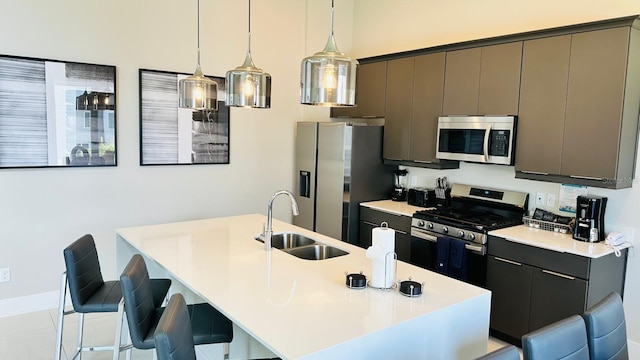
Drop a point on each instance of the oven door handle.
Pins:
(422, 234)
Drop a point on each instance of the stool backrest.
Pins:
(83, 270)
(606, 329)
(173, 336)
(565, 339)
(138, 302)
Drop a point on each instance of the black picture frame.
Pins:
(170, 135)
(56, 113)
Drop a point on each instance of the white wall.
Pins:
(43, 210)
(383, 27)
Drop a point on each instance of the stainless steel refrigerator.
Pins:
(338, 166)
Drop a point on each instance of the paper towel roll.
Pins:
(384, 237)
(382, 254)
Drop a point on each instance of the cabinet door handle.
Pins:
(586, 177)
(533, 172)
(507, 261)
(423, 161)
(558, 274)
(378, 225)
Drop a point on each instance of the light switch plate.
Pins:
(5, 275)
(551, 200)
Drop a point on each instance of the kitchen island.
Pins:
(301, 309)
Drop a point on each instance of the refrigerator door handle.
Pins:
(305, 183)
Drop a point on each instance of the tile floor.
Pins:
(32, 336)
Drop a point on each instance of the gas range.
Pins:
(474, 211)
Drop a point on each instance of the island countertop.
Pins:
(301, 308)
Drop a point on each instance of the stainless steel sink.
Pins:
(303, 247)
(288, 240)
(316, 252)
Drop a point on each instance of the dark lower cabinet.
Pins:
(510, 284)
(555, 296)
(532, 287)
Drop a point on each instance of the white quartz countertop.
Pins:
(393, 207)
(300, 308)
(553, 241)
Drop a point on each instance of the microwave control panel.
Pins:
(499, 145)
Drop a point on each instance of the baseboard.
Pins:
(634, 349)
(30, 303)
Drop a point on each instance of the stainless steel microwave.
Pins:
(481, 139)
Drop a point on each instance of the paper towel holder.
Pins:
(390, 256)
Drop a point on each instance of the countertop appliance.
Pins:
(338, 166)
(423, 197)
(400, 189)
(590, 218)
(481, 139)
(474, 211)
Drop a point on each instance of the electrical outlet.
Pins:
(5, 275)
(551, 200)
(541, 199)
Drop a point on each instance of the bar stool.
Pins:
(90, 293)
(565, 339)
(208, 325)
(606, 329)
(508, 352)
(173, 337)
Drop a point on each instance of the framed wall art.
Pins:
(170, 135)
(56, 113)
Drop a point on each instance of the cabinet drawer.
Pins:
(568, 264)
(375, 217)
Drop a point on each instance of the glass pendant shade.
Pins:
(198, 92)
(248, 86)
(328, 78)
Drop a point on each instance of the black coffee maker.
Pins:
(590, 218)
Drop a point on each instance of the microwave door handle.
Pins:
(486, 143)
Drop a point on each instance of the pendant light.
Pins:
(248, 86)
(328, 78)
(197, 91)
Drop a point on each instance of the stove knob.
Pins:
(445, 229)
(421, 223)
(430, 225)
(471, 237)
(461, 234)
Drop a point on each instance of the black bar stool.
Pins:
(173, 337)
(564, 339)
(606, 329)
(208, 325)
(90, 293)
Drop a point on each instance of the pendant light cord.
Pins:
(331, 33)
(198, 22)
(249, 48)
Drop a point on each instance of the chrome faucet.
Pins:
(268, 232)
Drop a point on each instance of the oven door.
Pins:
(424, 253)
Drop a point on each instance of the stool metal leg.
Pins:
(80, 332)
(60, 325)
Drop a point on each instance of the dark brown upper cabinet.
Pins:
(483, 80)
(371, 80)
(413, 104)
(579, 105)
